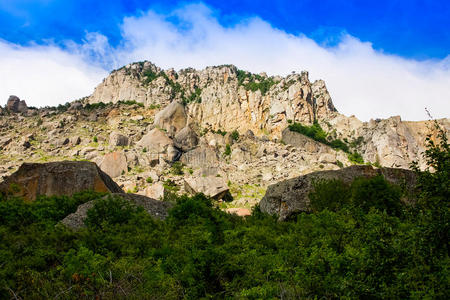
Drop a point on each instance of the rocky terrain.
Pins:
(220, 131)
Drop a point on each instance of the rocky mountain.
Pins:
(221, 131)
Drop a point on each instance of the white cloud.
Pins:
(45, 75)
(361, 81)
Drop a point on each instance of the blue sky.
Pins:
(385, 53)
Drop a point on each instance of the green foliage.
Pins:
(227, 151)
(149, 180)
(148, 76)
(95, 106)
(316, 132)
(194, 97)
(130, 102)
(235, 135)
(359, 242)
(95, 139)
(222, 133)
(355, 158)
(255, 82)
(177, 168)
(332, 195)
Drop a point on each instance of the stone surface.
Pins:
(173, 118)
(117, 139)
(157, 209)
(57, 178)
(211, 186)
(291, 196)
(114, 164)
(241, 212)
(186, 139)
(156, 141)
(14, 104)
(155, 191)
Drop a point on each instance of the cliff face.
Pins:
(225, 98)
(222, 97)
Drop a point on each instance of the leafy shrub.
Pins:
(227, 151)
(177, 168)
(314, 131)
(110, 210)
(358, 243)
(148, 76)
(355, 158)
(149, 180)
(95, 139)
(329, 194)
(235, 135)
(94, 106)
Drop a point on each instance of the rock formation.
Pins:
(291, 196)
(57, 178)
(16, 105)
(220, 122)
(157, 209)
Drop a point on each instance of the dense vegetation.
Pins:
(360, 241)
(316, 132)
(254, 81)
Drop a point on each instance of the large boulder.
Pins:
(156, 141)
(57, 178)
(173, 118)
(114, 164)
(211, 186)
(14, 104)
(200, 157)
(157, 209)
(186, 139)
(302, 141)
(288, 197)
(117, 139)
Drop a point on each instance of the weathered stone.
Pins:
(155, 191)
(211, 186)
(57, 178)
(172, 153)
(156, 141)
(186, 139)
(75, 140)
(114, 164)
(239, 211)
(15, 105)
(117, 139)
(157, 209)
(200, 157)
(291, 196)
(173, 118)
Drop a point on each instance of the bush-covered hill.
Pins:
(360, 242)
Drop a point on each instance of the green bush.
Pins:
(235, 135)
(355, 158)
(332, 195)
(359, 242)
(177, 168)
(227, 151)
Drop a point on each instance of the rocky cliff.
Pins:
(226, 98)
(158, 131)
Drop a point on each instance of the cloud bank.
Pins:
(362, 81)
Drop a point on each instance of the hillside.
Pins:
(229, 130)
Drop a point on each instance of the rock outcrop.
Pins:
(114, 164)
(291, 196)
(57, 178)
(172, 118)
(16, 105)
(211, 186)
(157, 209)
